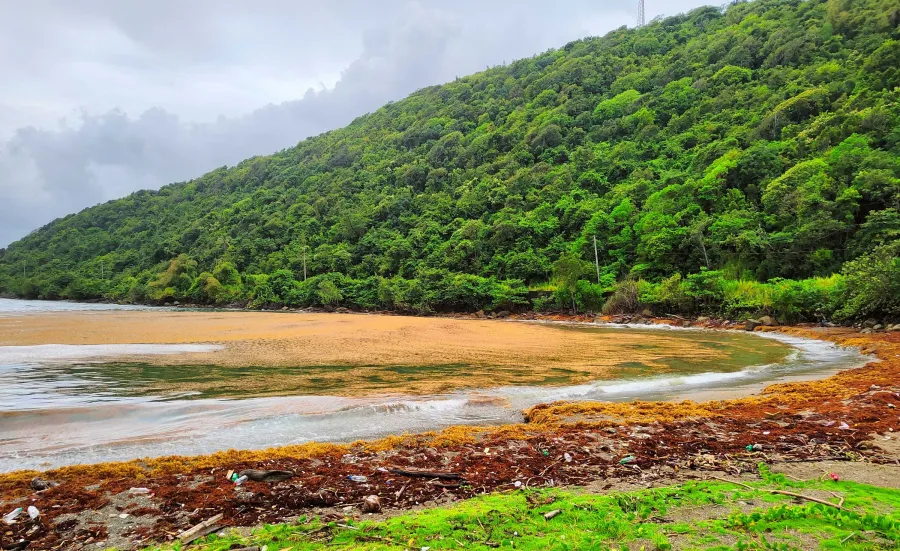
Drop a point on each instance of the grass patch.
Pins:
(713, 515)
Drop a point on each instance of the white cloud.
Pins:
(104, 97)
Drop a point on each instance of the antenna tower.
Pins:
(640, 20)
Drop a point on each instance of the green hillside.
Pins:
(729, 161)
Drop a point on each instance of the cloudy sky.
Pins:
(104, 97)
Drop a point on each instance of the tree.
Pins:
(566, 273)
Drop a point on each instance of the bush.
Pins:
(872, 284)
(625, 299)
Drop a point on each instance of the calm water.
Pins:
(17, 307)
(57, 407)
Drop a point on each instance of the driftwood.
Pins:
(552, 514)
(425, 474)
(266, 476)
(194, 531)
(839, 505)
(446, 484)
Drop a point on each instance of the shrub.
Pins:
(872, 284)
(625, 299)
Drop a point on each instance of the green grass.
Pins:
(696, 515)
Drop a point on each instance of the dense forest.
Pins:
(735, 161)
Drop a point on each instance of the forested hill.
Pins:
(728, 160)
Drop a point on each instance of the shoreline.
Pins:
(850, 416)
(254, 418)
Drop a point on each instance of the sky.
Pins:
(104, 97)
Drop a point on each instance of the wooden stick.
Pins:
(425, 474)
(550, 466)
(808, 498)
(552, 514)
(839, 505)
(198, 527)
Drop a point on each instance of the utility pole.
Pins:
(596, 259)
(640, 19)
(304, 262)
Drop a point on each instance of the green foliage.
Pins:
(873, 283)
(713, 515)
(746, 151)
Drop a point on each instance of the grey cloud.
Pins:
(96, 155)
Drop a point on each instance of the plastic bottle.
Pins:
(33, 512)
(240, 480)
(357, 478)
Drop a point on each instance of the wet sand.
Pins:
(516, 353)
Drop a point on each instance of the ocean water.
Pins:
(60, 404)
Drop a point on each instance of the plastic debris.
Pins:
(835, 477)
(627, 459)
(11, 517)
(33, 512)
(138, 491)
(240, 480)
(567, 457)
(233, 476)
(517, 483)
(357, 478)
(545, 452)
(844, 426)
(754, 447)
